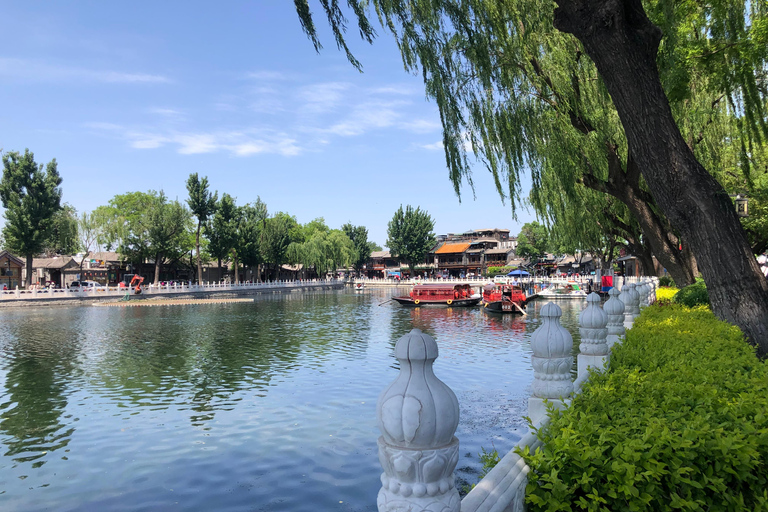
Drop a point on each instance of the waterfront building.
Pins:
(10, 271)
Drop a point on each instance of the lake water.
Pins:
(267, 406)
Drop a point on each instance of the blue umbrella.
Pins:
(518, 272)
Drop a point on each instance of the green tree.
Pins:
(532, 242)
(31, 199)
(410, 235)
(250, 222)
(170, 225)
(64, 237)
(203, 204)
(726, 40)
(88, 230)
(359, 237)
(221, 229)
(278, 233)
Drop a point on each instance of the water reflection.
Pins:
(269, 405)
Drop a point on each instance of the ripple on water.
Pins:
(262, 406)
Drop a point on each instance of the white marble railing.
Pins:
(176, 288)
(503, 488)
(620, 280)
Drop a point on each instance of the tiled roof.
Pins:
(452, 248)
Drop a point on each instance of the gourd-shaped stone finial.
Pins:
(614, 309)
(418, 415)
(592, 326)
(642, 290)
(593, 350)
(626, 298)
(634, 301)
(552, 360)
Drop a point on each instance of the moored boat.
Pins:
(358, 287)
(504, 298)
(454, 295)
(570, 290)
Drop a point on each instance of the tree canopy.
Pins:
(202, 203)
(31, 198)
(410, 235)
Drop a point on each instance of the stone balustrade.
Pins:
(418, 413)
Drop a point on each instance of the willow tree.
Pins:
(486, 62)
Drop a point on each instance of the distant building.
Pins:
(10, 271)
(51, 270)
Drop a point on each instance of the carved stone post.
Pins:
(644, 292)
(418, 415)
(634, 303)
(626, 297)
(593, 350)
(614, 309)
(552, 360)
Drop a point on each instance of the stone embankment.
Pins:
(75, 297)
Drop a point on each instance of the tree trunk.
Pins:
(219, 276)
(623, 43)
(29, 272)
(157, 268)
(197, 246)
(237, 269)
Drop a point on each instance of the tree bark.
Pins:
(625, 186)
(158, 259)
(623, 43)
(29, 272)
(197, 246)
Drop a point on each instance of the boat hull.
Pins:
(454, 303)
(505, 307)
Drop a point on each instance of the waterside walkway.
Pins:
(72, 296)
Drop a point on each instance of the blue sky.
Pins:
(138, 95)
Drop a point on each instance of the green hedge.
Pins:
(680, 422)
(693, 295)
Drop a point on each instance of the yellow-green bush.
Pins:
(679, 422)
(665, 294)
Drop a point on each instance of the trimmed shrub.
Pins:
(666, 281)
(693, 295)
(679, 422)
(665, 295)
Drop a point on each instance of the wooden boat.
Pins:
(504, 298)
(455, 295)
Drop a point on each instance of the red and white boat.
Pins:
(504, 298)
(454, 295)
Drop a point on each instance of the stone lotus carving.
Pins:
(592, 327)
(418, 415)
(552, 358)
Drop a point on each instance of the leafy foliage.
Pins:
(666, 281)
(678, 423)
(31, 199)
(410, 235)
(221, 229)
(202, 203)
(664, 295)
(693, 295)
(64, 233)
(533, 241)
(359, 237)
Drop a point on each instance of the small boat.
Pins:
(570, 290)
(358, 287)
(455, 295)
(504, 298)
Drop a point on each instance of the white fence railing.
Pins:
(176, 288)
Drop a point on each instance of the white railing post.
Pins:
(614, 309)
(593, 349)
(418, 415)
(627, 297)
(552, 360)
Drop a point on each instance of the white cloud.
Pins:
(322, 97)
(434, 146)
(366, 117)
(266, 75)
(421, 126)
(39, 71)
(165, 112)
